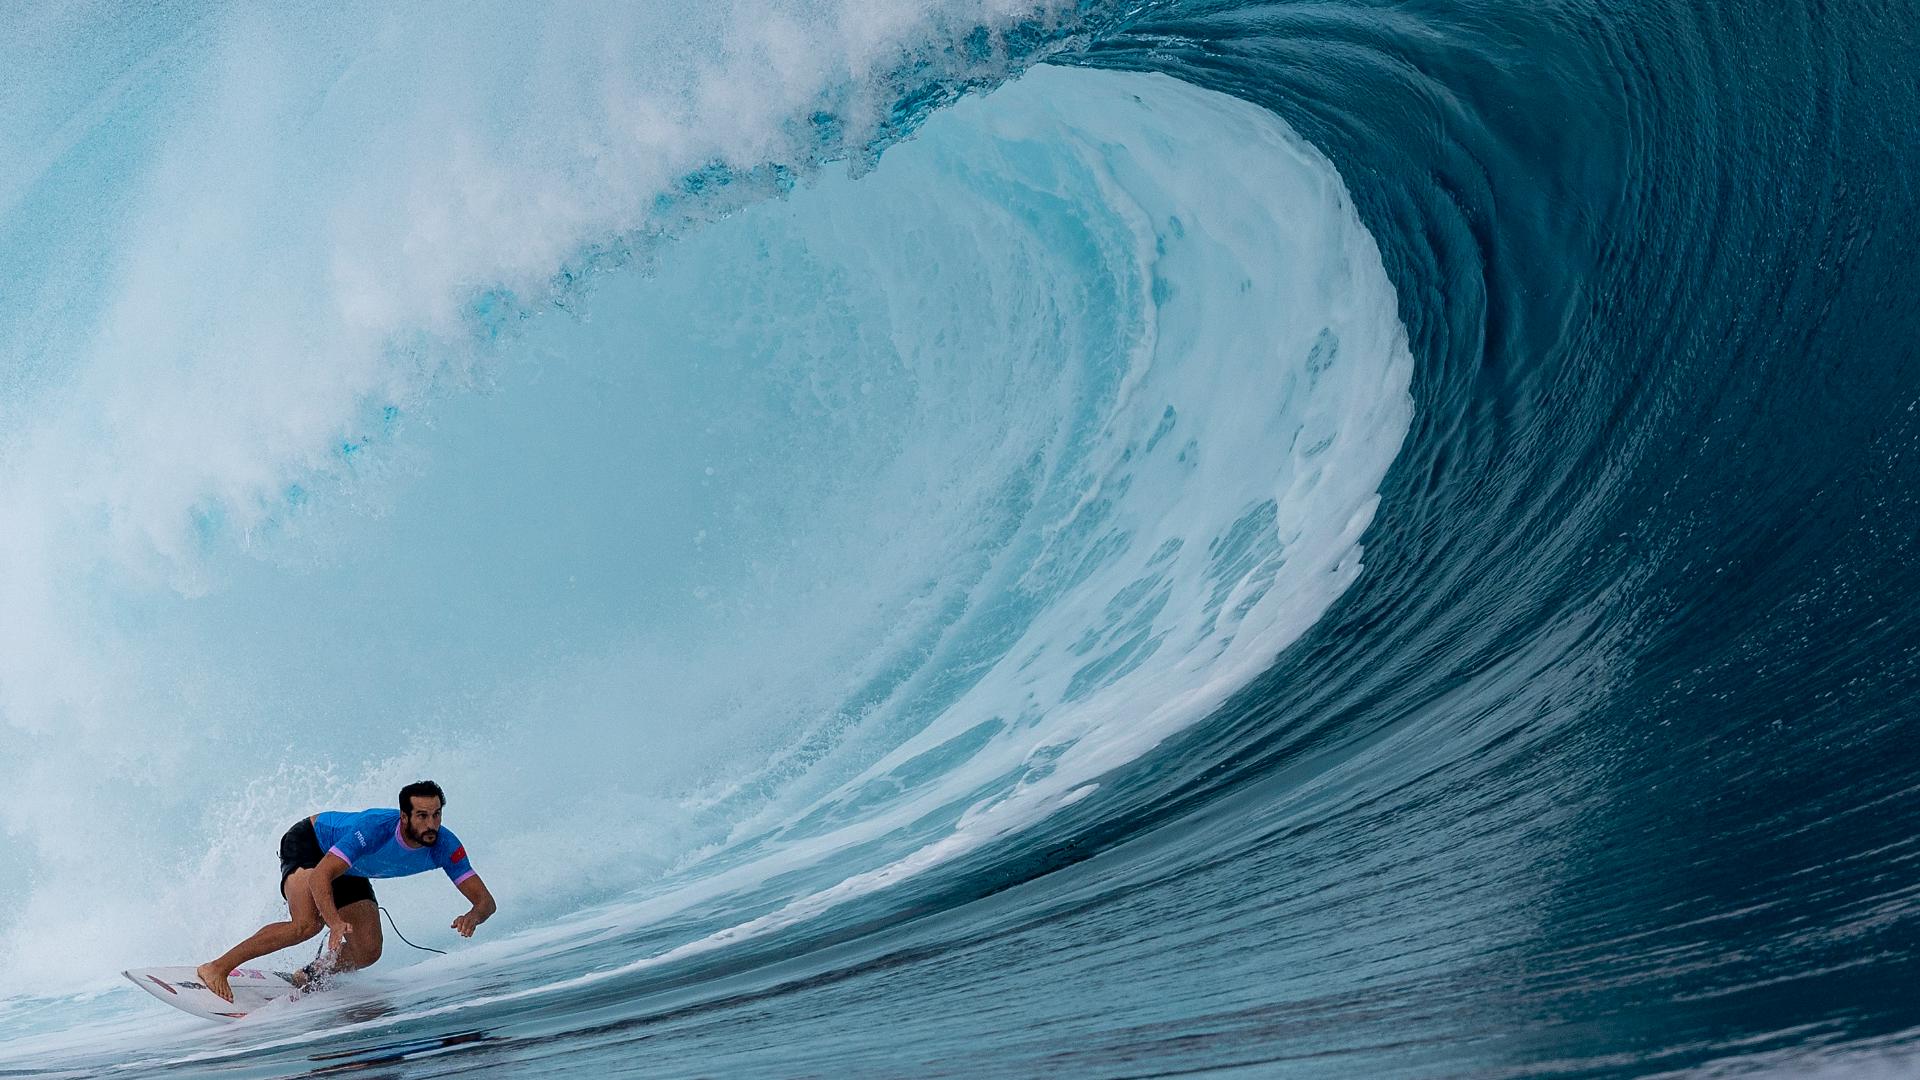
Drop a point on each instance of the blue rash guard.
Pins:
(372, 847)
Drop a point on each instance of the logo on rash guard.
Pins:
(458, 854)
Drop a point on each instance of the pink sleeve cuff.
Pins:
(464, 876)
(343, 858)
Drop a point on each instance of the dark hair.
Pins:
(426, 789)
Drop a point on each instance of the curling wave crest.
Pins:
(828, 541)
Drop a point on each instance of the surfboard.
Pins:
(181, 988)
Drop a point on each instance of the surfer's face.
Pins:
(423, 821)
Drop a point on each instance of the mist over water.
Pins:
(1082, 539)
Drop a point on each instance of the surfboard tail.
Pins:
(181, 988)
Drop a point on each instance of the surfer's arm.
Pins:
(320, 883)
(475, 891)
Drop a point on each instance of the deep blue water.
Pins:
(1321, 539)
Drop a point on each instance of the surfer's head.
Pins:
(420, 806)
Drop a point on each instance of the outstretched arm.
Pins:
(474, 890)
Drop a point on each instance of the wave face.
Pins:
(978, 538)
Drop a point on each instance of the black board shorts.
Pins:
(300, 850)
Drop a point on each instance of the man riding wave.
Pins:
(326, 861)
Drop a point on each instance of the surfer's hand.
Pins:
(337, 936)
(464, 924)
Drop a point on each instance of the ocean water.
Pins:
(997, 538)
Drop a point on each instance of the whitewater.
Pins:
(962, 538)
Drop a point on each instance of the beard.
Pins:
(424, 838)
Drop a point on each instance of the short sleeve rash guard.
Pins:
(370, 843)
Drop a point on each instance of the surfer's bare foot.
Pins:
(214, 979)
(300, 979)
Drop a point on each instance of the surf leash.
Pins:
(403, 937)
(319, 967)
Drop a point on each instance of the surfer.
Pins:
(325, 863)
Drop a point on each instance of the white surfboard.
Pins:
(181, 988)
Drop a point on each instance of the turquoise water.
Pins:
(1311, 538)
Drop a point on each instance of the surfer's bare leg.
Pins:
(303, 922)
(363, 945)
